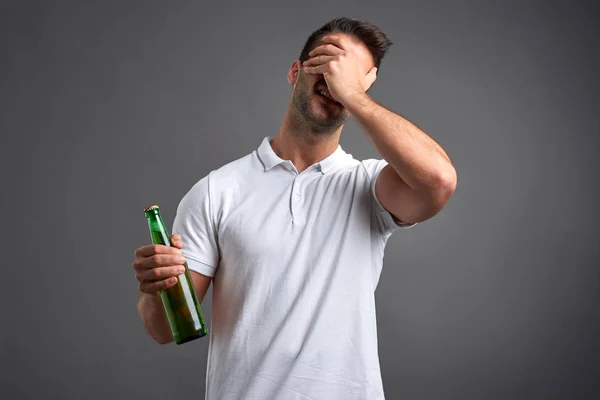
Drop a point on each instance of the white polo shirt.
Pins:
(295, 259)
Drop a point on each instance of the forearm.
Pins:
(419, 161)
(154, 318)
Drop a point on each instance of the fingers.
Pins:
(157, 266)
(370, 78)
(337, 41)
(156, 279)
(158, 274)
(327, 49)
(177, 241)
(152, 249)
(318, 69)
(157, 261)
(153, 287)
(318, 60)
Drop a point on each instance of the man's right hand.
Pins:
(157, 266)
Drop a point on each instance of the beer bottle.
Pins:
(180, 301)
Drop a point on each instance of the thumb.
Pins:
(371, 77)
(176, 241)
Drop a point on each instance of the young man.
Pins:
(292, 235)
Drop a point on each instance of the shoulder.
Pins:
(236, 168)
(227, 183)
(232, 171)
(226, 175)
(367, 169)
(372, 166)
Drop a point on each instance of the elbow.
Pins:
(413, 205)
(446, 184)
(443, 189)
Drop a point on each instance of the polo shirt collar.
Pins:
(267, 155)
(333, 160)
(270, 159)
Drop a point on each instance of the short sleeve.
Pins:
(386, 222)
(194, 222)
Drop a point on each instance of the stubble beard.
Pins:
(306, 119)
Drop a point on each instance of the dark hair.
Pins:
(371, 36)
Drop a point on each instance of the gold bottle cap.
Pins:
(154, 207)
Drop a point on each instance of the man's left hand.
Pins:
(337, 60)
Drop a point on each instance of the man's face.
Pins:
(323, 115)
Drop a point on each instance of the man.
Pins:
(292, 235)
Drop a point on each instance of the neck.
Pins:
(301, 144)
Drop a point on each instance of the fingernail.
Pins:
(181, 260)
(181, 270)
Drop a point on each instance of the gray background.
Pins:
(107, 107)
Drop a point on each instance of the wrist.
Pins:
(151, 300)
(356, 100)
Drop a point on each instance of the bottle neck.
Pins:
(158, 231)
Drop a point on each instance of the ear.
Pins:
(292, 75)
(370, 78)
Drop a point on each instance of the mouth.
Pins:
(324, 94)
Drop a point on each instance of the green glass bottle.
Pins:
(180, 301)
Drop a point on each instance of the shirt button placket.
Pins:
(297, 213)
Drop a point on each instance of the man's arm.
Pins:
(419, 178)
(153, 314)
(157, 267)
(154, 318)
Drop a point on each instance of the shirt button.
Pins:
(297, 198)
